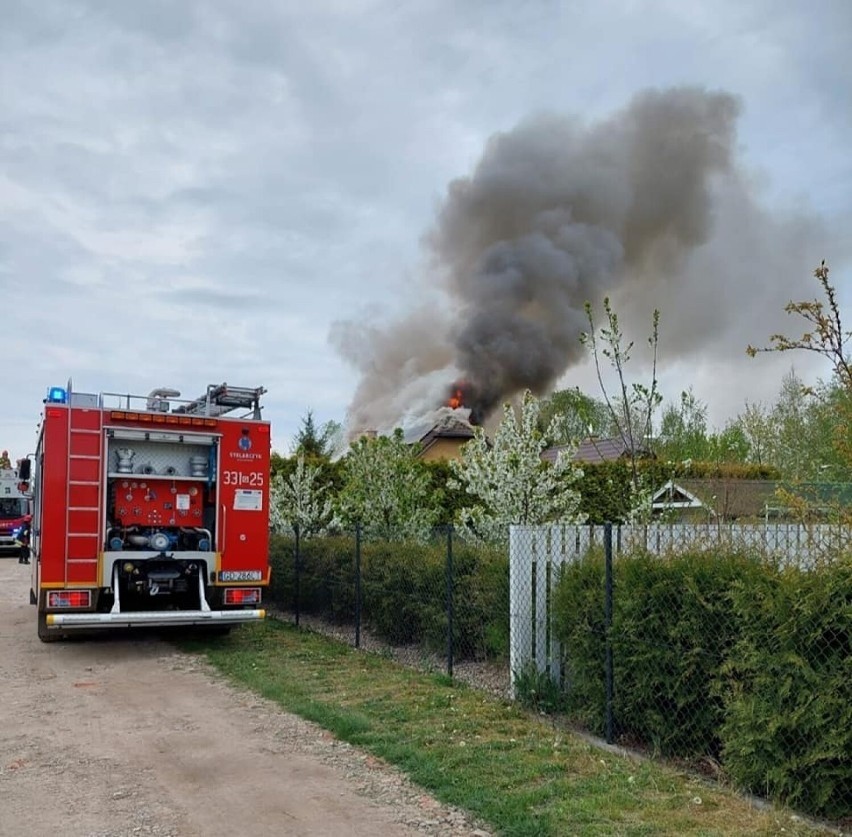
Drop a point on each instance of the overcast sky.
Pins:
(198, 192)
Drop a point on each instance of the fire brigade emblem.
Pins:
(245, 443)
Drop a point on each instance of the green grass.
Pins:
(512, 769)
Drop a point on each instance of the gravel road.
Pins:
(123, 735)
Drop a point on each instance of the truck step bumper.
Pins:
(156, 619)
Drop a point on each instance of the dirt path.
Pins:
(117, 736)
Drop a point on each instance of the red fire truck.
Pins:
(149, 510)
(14, 511)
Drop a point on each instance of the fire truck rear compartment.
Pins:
(152, 504)
(159, 584)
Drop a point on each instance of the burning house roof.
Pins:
(433, 436)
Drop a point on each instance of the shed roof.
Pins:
(735, 498)
(595, 449)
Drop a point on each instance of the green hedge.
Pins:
(326, 582)
(578, 623)
(404, 590)
(788, 726)
(671, 635)
(723, 656)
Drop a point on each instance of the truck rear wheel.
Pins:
(45, 634)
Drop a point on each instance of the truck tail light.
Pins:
(69, 598)
(242, 595)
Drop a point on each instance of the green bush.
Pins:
(578, 624)
(403, 590)
(673, 626)
(326, 580)
(788, 727)
(718, 654)
(480, 602)
(405, 597)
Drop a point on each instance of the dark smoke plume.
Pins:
(555, 214)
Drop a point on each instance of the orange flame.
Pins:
(462, 393)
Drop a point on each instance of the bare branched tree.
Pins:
(632, 410)
(826, 337)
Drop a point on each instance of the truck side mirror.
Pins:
(24, 470)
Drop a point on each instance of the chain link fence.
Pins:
(729, 652)
(440, 604)
(727, 649)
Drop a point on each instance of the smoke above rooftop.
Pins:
(647, 206)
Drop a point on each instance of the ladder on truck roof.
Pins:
(83, 494)
(222, 398)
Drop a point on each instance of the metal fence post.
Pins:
(357, 585)
(298, 560)
(608, 628)
(450, 600)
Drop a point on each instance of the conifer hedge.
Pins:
(403, 590)
(723, 656)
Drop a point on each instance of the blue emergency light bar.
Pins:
(56, 395)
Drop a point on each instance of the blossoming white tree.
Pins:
(386, 490)
(301, 499)
(510, 479)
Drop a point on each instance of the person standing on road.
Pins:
(23, 541)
